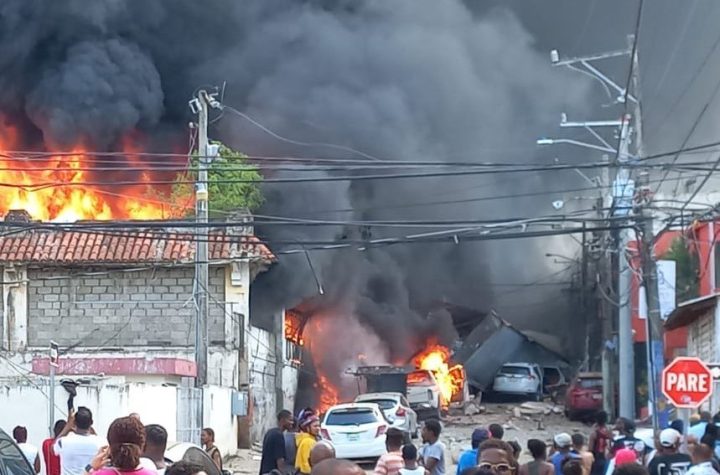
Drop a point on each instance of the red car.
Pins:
(584, 396)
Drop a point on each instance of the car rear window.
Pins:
(589, 383)
(515, 370)
(419, 378)
(350, 417)
(384, 404)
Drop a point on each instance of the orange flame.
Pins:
(64, 198)
(436, 358)
(328, 393)
(293, 328)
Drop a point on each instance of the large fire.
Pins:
(337, 345)
(451, 379)
(52, 186)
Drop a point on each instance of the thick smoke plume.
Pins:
(402, 80)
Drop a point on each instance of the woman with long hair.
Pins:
(126, 439)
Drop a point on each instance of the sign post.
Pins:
(687, 382)
(54, 360)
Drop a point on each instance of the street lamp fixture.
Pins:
(547, 141)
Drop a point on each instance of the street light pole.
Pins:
(623, 188)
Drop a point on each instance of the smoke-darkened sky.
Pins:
(404, 80)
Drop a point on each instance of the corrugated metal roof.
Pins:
(689, 311)
(125, 247)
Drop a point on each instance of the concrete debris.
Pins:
(471, 408)
(537, 408)
(509, 426)
(517, 412)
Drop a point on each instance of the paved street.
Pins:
(457, 431)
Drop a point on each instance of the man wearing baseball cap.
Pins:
(469, 457)
(668, 460)
(563, 446)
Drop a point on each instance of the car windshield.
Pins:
(419, 378)
(515, 370)
(350, 417)
(589, 383)
(384, 404)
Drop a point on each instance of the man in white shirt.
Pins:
(31, 453)
(78, 444)
(155, 444)
(702, 458)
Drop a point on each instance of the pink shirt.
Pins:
(389, 464)
(115, 471)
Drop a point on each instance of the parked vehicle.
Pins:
(423, 393)
(12, 460)
(193, 454)
(519, 379)
(584, 395)
(397, 411)
(356, 430)
(555, 383)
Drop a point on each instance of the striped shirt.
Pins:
(389, 464)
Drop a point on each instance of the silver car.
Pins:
(396, 409)
(519, 379)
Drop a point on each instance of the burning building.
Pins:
(119, 305)
(332, 344)
(87, 93)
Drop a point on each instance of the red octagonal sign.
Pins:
(687, 382)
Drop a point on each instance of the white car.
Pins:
(519, 379)
(397, 410)
(356, 430)
(423, 393)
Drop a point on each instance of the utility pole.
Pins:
(623, 190)
(201, 106)
(626, 354)
(201, 244)
(653, 321)
(54, 361)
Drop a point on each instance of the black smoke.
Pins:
(401, 80)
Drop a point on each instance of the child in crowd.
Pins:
(410, 456)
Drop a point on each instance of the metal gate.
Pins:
(189, 414)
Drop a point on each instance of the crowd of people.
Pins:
(129, 448)
(606, 451)
(296, 447)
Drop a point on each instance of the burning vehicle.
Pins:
(428, 378)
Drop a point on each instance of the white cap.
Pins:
(563, 440)
(669, 437)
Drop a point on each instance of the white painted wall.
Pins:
(155, 404)
(290, 382)
(702, 341)
(217, 414)
(261, 380)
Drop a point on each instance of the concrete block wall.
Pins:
(145, 308)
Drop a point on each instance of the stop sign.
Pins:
(687, 382)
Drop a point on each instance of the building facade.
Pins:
(120, 305)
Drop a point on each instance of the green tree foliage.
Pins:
(687, 266)
(233, 184)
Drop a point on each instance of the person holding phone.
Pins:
(77, 444)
